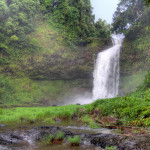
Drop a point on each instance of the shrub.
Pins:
(49, 120)
(74, 141)
(60, 136)
(6, 89)
(146, 83)
(87, 120)
(147, 80)
(111, 148)
(94, 125)
(1, 111)
(48, 139)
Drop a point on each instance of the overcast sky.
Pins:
(104, 9)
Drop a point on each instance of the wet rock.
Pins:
(2, 125)
(121, 143)
(98, 148)
(10, 139)
(75, 117)
(78, 104)
(32, 135)
(58, 120)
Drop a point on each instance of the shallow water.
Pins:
(87, 130)
(73, 126)
(68, 147)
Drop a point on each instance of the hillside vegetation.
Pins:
(47, 49)
(135, 57)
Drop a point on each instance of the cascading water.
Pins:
(107, 71)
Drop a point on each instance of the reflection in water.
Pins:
(68, 147)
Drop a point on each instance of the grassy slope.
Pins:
(133, 109)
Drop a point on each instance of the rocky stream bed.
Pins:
(29, 138)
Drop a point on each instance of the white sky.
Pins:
(104, 9)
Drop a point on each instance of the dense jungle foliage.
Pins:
(132, 19)
(72, 18)
(135, 18)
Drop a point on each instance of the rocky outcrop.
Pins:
(77, 64)
(62, 64)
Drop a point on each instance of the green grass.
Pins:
(132, 109)
(48, 139)
(87, 120)
(46, 36)
(25, 114)
(74, 140)
(110, 148)
(49, 120)
(60, 136)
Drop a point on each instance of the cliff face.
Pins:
(55, 72)
(54, 60)
(64, 65)
(135, 61)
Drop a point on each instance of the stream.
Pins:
(29, 138)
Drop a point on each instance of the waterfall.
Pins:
(107, 71)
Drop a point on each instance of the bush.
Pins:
(74, 141)
(146, 83)
(111, 148)
(1, 111)
(6, 89)
(60, 136)
(48, 139)
(49, 120)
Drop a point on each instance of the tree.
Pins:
(131, 17)
(102, 29)
(15, 23)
